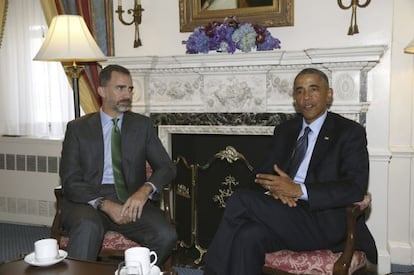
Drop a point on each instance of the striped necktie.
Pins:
(298, 153)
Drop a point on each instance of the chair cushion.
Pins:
(112, 240)
(316, 262)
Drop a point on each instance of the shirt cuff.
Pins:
(304, 197)
(93, 202)
(154, 189)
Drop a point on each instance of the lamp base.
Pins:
(74, 72)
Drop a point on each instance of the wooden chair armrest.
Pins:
(166, 192)
(55, 230)
(56, 225)
(353, 212)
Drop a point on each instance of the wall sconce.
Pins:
(137, 16)
(410, 47)
(353, 28)
(68, 40)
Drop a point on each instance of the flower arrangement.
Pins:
(230, 36)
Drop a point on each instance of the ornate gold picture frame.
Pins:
(193, 13)
(3, 13)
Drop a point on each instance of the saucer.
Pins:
(30, 259)
(155, 270)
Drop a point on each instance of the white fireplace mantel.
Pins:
(247, 82)
(257, 82)
(273, 58)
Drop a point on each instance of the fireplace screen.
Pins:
(203, 184)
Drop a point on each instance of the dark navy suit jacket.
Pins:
(338, 171)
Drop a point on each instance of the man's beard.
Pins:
(121, 108)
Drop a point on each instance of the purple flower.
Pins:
(245, 37)
(229, 36)
(198, 42)
(269, 43)
(222, 39)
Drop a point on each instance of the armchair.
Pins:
(114, 243)
(350, 261)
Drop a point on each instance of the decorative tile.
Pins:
(52, 208)
(10, 162)
(11, 205)
(22, 206)
(33, 207)
(3, 204)
(31, 163)
(41, 164)
(21, 162)
(52, 164)
(44, 208)
(2, 162)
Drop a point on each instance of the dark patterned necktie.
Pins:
(299, 153)
(117, 161)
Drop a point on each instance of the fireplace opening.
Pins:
(209, 168)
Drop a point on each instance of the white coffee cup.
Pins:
(46, 250)
(141, 255)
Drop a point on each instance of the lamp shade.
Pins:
(410, 47)
(69, 40)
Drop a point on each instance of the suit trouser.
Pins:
(87, 226)
(254, 224)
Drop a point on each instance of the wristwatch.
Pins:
(98, 203)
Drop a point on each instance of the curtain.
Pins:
(99, 19)
(3, 11)
(35, 97)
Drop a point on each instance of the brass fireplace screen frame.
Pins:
(192, 197)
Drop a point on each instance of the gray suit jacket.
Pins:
(81, 167)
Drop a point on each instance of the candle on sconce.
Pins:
(119, 3)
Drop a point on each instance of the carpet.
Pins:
(17, 240)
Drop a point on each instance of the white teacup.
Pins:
(141, 255)
(46, 250)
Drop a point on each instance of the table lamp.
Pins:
(69, 41)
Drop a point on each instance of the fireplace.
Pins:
(239, 96)
(215, 153)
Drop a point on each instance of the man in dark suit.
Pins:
(91, 204)
(303, 210)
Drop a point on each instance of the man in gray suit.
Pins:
(301, 207)
(91, 205)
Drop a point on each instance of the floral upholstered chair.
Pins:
(321, 262)
(114, 243)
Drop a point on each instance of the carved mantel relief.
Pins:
(244, 83)
(247, 82)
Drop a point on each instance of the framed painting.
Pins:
(269, 13)
(3, 11)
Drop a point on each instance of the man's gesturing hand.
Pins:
(280, 186)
